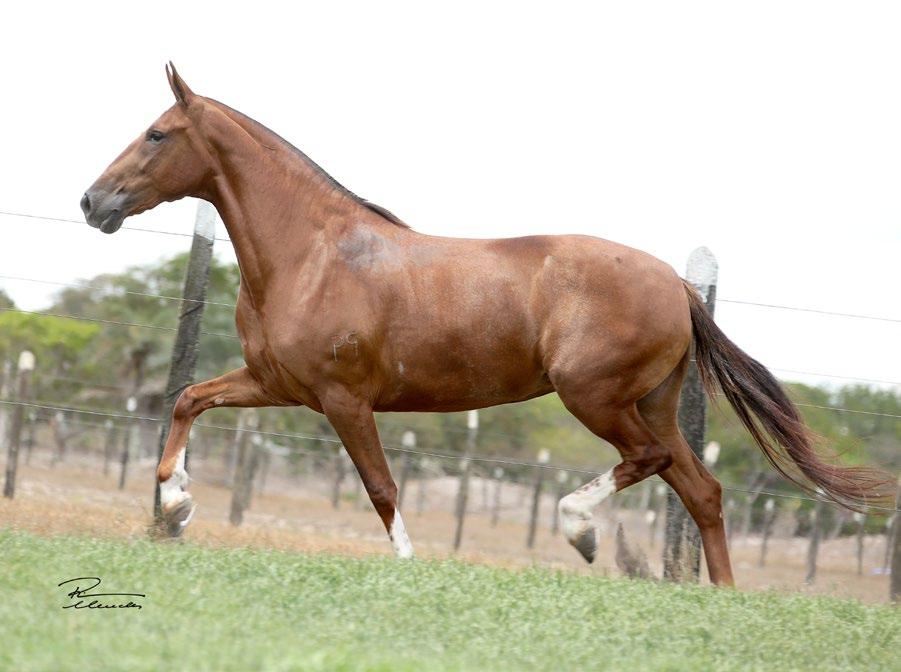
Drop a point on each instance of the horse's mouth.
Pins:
(105, 211)
(112, 222)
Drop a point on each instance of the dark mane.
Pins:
(377, 209)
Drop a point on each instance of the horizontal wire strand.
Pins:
(836, 376)
(847, 410)
(758, 304)
(124, 228)
(810, 310)
(412, 451)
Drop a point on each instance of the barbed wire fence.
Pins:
(495, 471)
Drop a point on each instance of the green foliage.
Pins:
(107, 299)
(55, 342)
(240, 609)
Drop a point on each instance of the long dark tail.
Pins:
(772, 419)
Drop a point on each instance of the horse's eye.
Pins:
(155, 136)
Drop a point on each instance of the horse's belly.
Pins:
(453, 379)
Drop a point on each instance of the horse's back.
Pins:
(514, 311)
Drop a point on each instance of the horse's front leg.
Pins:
(236, 388)
(351, 416)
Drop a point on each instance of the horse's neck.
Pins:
(277, 208)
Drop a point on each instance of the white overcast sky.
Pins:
(768, 131)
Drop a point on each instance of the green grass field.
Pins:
(239, 609)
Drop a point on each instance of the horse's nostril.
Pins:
(85, 204)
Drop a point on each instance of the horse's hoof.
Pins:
(178, 517)
(587, 544)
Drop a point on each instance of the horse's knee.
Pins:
(187, 405)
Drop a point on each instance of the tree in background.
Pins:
(57, 343)
(5, 301)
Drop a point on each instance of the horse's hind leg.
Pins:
(237, 388)
(643, 455)
(697, 488)
(702, 495)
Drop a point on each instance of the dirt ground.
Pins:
(295, 513)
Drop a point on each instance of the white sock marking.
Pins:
(577, 508)
(171, 492)
(399, 539)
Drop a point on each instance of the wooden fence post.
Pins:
(895, 590)
(408, 441)
(682, 541)
(248, 458)
(130, 406)
(30, 438)
(60, 436)
(265, 457)
(6, 387)
(813, 549)
(472, 424)
(769, 515)
(234, 447)
(425, 465)
(184, 351)
(339, 472)
(123, 456)
(26, 366)
(544, 456)
(108, 445)
(498, 475)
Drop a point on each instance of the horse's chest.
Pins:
(256, 346)
(255, 351)
(295, 353)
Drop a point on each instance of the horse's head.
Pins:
(166, 162)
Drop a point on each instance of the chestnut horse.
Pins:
(346, 310)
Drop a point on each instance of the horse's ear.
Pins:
(183, 94)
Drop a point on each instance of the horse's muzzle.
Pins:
(104, 210)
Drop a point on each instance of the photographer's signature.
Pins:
(82, 598)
